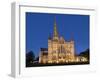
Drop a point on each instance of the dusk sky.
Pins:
(40, 25)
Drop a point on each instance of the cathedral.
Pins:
(58, 51)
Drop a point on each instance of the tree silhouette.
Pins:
(85, 54)
(37, 58)
(30, 56)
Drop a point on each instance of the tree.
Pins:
(30, 56)
(85, 54)
(37, 58)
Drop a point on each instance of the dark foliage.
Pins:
(37, 58)
(85, 54)
(30, 56)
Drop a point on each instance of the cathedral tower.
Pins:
(53, 45)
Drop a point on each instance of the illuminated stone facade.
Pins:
(58, 51)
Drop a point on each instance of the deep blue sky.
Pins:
(40, 25)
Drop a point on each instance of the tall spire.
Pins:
(55, 34)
